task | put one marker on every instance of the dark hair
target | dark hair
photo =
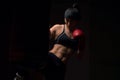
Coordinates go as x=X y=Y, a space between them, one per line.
x=73 y=13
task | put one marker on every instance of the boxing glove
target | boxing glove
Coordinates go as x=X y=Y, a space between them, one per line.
x=77 y=33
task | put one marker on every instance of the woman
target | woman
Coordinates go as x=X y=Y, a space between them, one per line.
x=67 y=39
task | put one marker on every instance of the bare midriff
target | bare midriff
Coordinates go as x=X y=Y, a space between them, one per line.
x=61 y=52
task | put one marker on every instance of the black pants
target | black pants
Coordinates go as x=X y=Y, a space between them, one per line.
x=55 y=69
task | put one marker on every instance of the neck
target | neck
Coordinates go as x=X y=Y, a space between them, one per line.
x=71 y=28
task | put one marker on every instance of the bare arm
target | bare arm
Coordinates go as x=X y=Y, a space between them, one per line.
x=52 y=32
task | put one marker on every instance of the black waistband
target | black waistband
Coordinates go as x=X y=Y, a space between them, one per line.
x=55 y=58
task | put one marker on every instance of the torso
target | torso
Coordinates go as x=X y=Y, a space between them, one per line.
x=64 y=45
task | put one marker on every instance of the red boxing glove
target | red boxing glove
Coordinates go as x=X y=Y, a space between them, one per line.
x=77 y=33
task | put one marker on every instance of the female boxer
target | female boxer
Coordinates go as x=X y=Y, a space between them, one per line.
x=68 y=39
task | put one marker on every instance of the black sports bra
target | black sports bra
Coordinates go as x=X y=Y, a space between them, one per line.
x=66 y=41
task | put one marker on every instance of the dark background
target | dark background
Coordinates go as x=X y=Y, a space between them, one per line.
x=26 y=29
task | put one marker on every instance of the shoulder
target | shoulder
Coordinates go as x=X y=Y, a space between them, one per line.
x=56 y=27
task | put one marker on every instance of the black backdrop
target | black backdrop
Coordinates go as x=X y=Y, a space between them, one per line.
x=101 y=21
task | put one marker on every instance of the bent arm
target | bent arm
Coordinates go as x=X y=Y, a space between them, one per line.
x=79 y=34
x=81 y=47
x=52 y=32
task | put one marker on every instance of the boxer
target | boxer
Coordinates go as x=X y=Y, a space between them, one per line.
x=67 y=40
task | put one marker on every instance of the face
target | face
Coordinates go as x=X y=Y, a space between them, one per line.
x=71 y=23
